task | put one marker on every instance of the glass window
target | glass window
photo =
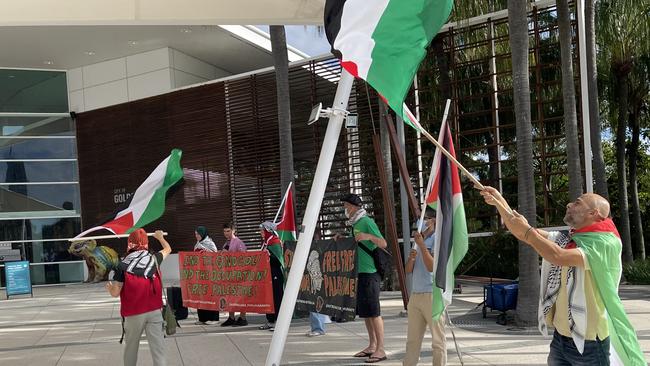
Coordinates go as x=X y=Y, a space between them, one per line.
x=37 y=126
x=39 y=229
x=46 y=148
x=33 y=91
x=11 y=230
x=49 y=171
x=37 y=200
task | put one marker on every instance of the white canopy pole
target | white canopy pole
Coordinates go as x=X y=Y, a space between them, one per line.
x=584 y=95
x=312 y=211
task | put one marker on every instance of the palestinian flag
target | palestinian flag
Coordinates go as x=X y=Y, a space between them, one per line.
x=384 y=41
x=601 y=245
x=451 y=228
x=148 y=202
x=286 y=228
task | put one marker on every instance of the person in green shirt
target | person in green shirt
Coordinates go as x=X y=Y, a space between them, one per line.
x=367 y=234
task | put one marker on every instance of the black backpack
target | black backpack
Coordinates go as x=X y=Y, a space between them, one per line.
x=382 y=259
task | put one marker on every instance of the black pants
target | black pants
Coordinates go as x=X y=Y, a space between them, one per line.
x=277 y=279
x=207 y=315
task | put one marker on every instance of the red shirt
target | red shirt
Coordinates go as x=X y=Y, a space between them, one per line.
x=139 y=294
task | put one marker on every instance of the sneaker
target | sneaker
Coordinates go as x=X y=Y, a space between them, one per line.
x=266 y=326
x=240 y=322
x=315 y=333
x=198 y=322
x=228 y=322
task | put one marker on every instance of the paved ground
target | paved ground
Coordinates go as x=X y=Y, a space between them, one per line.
x=80 y=325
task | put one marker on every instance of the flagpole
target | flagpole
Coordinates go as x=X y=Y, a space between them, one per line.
x=284 y=199
x=114 y=236
x=424 y=201
x=426 y=134
x=319 y=183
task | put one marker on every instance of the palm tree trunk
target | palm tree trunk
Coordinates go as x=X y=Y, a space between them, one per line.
x=528 y=259
x=281 y=62
x=624 y=213
x=600 y=186
x=639 y=243
x=569 y=101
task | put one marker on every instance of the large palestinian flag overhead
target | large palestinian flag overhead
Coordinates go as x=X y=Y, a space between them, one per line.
x=384 y=41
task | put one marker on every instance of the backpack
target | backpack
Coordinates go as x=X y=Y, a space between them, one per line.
x=382 y=259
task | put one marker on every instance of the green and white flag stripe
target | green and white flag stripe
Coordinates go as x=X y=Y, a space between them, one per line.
x=384 y=41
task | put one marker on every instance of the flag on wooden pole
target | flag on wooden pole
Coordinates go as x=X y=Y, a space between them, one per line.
x=451 y=227
x=148 y=202
x=286 y=228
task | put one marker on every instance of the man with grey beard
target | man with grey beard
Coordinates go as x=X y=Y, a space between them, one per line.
x=579 y=283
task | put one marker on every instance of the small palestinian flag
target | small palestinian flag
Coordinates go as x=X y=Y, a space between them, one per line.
x=286 y=228
x=451 y=227
x=384 y=41
x=148 y=202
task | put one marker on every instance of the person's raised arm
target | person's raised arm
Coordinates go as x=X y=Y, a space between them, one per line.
x=167 y=249
x=427 y=258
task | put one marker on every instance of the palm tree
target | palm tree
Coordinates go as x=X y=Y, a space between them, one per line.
x=638 y=98
x=594 y=111
x=528 y=259
x=281 y=62
x=624 y=31
x=569 y=100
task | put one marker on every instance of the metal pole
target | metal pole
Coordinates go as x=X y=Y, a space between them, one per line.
x=319 y=184
x=584 y=95
x=404 y=203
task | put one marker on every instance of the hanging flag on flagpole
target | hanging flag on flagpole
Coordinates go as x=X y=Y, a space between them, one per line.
x=384 y=41
x=451 y=227
x=148 y=202
x=286 y=228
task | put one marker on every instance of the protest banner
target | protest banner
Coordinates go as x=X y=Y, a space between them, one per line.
x=329 y=284
x=226 y=281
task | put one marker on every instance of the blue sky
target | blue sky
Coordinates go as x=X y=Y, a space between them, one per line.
x=305 y=38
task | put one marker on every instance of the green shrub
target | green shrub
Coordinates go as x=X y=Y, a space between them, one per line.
x=637 y=273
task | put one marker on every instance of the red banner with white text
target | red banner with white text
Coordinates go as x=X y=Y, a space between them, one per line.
x=226 y=281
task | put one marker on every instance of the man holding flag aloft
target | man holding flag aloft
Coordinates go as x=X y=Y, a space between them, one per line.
x=579 y=287
x=420 y=265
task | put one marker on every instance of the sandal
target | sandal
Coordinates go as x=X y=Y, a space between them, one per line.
x=373 y=359
x=363 y=354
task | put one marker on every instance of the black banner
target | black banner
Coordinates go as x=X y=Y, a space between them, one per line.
x=329 y=284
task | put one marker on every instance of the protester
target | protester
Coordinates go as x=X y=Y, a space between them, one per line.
x=579 y=286
x=138 y=284
x=317 y=322
x=205 y=244
x=272 y=243
x=420 y=264
x=233 y=245
x=367 y=234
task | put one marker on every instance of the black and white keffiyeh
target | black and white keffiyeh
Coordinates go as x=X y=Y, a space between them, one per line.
x=550 y=285
x=360 y=213
x=140 y=263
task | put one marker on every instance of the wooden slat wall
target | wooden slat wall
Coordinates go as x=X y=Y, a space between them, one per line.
x=119 y=147
x=228 y=132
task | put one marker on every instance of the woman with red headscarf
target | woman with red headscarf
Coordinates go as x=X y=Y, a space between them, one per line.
x=273 y=244
x=138 y=284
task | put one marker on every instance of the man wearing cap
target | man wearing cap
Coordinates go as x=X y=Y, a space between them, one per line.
x=367 y=234
x=420 y=264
